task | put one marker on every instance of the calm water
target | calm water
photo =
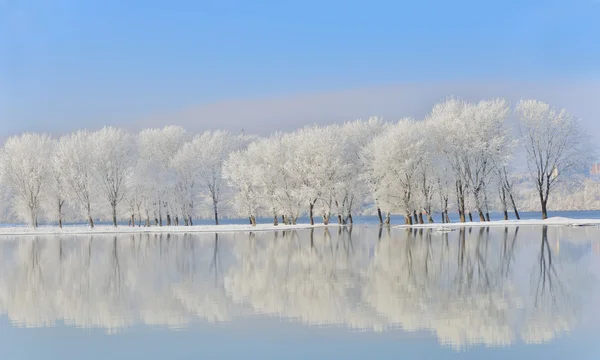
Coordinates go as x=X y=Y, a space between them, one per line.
x=500 y=293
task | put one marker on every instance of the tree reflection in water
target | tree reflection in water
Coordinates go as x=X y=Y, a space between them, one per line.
x=466 y=286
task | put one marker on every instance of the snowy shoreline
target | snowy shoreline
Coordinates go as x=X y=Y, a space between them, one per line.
x=553 y=221
x=107 y=229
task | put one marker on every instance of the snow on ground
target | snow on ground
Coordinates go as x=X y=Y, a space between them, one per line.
x=556 y=221
x=107 y=229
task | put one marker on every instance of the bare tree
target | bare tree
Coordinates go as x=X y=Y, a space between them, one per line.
x=556 y=145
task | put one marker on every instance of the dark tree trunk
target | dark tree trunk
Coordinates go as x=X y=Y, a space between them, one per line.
x=421 y=218
x=388 y=218
x=512 y=200
x=505 y=214
x=216 y=214
x=252 y=220
x=461 y=215
x=443 y=218
x=190 y=220
x=415 y=218
x=447 y=217
x=275 y=220
x=168 y=219
x=481 y=216
x=185 y=221
x=487 y=216
x=350 y=219
x=544 y=210
x=340 y=219
x=470 y=217
x=133 y=220
x=429 y=218
x=91 y=221
x=114 y=216
x=379 y=215
x=176 y=220
x=310 y=213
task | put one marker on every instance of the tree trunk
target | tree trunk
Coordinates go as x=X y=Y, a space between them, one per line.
x=275 y=220
x=416 y=219
x=310 y=213
x=408 y=220
x=133 y=220
x=168 y=219
x=421 y=218
x=185 y=221
x=32 y=216
x=216 y=213
x=447 y=217
x=487 y=216
x=325 y=219
x=252 y=220
x=283 y=219
x=350 y=219
x=60 y=220
x=544 y=209
x=114 y=215
x=379 y=215
x=91 y=221
x=340 y=219
x=481 y=216
x=190 y=220
x=429 y=218
x=470 y=217
x=176 y=220
x=462 y=216
x=512 y=200
x=388 y=218
x=443 y=218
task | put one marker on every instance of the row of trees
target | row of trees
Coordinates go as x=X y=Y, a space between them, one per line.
x=458 y=157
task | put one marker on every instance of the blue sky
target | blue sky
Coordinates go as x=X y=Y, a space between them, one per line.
x=68 y=64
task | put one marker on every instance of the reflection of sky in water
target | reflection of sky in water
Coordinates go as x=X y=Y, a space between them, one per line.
x=477 y=293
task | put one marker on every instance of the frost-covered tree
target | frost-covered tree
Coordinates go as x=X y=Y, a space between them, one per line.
x=356 y=136
x=24 y=169
x=114 y=155
x=76 y=158
x=202 y=159
x=241 y=174
x=555 y=143
x=57 y=185
x=397 y=156
x=157 y=148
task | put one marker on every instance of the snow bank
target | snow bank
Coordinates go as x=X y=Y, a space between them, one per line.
x=556 y=221
x=106 y=229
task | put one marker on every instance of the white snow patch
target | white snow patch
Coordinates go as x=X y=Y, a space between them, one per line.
x=556 y=221
x=106 y=229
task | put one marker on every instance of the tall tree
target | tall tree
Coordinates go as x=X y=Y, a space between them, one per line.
x=113 y=165
x=555 y=143
x=24 y=169
x=76 y=156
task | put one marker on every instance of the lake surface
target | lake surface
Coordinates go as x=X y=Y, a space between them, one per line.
x=520 y=293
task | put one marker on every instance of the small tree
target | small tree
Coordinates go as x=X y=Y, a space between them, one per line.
x=556 y=145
